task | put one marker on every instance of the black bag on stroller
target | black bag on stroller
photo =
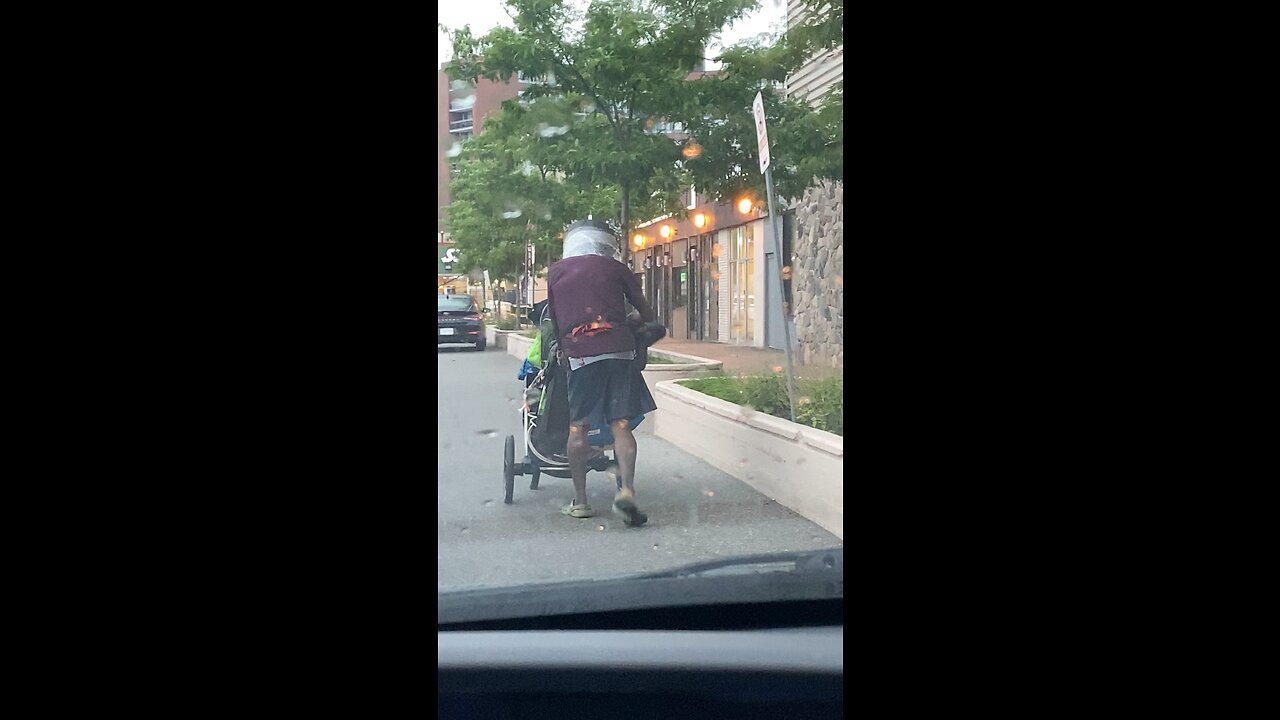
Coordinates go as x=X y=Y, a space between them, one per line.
x=549 y=429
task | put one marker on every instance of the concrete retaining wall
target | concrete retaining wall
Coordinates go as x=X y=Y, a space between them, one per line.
x=518 y=345
x=690 y=366
x=686 y=366
x=496 y=338
x=798 y=466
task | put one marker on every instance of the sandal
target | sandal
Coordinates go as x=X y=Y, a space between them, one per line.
x=577 y=511
x=631 y=515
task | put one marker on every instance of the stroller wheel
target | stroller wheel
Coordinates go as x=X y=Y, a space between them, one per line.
x=533 y=470
x=509 y=468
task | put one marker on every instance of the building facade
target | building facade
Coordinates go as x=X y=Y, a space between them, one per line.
x=816 y=78
x=462 y=107
x=447 y=274
x=705 y=274
x=818 y=259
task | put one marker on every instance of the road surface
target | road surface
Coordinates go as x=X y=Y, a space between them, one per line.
x=696 y=512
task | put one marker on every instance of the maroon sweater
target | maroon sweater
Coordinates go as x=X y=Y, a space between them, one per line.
x=587 y=295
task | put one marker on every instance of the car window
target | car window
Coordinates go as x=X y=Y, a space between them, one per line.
x=688 y=149
x=456 y=303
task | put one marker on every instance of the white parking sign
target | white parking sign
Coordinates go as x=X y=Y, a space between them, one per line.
x=762 y=135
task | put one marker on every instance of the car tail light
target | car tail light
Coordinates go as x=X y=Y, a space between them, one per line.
x=473 y=316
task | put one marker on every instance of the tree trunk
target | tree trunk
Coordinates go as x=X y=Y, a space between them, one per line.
x=626 y=221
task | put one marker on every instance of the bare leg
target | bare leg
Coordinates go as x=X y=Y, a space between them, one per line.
x=624 y=449
x=579 y=450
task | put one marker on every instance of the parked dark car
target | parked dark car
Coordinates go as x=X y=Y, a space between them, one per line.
x=460 y=322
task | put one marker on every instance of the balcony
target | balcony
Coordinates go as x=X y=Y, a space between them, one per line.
x=674 y=130
x=462 y=103
x=462 y=121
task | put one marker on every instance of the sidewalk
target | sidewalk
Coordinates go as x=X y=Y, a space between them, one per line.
x=739 y=360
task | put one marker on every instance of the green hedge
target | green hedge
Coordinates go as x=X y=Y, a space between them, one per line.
x=819 y=402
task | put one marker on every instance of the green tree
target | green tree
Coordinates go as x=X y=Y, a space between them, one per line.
x=610 y=76
x=805 y=144
x=625 y=64
x=821 y=27
x=507 y=192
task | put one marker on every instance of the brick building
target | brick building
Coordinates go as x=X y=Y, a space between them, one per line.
x=461 y=110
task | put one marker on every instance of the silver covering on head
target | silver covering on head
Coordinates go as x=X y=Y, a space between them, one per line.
x=591 y=239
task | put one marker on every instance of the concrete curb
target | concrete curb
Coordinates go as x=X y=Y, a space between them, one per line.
x=518 y=345
x=497 y=338
x=692 y=366
x=688 y=359
x=800 y=467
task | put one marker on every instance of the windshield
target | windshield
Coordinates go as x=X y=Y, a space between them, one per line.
x=678 y=207
x=456 y=303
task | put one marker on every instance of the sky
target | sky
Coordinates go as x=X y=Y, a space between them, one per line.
x=484 y=15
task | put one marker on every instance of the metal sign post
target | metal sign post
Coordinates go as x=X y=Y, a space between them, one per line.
x=532 y=259
x=762 y=145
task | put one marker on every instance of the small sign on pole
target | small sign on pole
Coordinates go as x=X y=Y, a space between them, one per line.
x=762 y=134
x=762 y=139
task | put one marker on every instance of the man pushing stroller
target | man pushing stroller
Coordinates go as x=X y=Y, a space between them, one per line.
x=588 y=291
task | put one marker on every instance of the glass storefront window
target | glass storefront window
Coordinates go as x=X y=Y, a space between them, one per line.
x=742 y=281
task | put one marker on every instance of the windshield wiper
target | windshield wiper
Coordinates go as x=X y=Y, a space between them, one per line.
x=794 y=577
x=822 y=561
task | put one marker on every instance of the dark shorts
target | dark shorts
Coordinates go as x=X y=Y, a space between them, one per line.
x=608 y=390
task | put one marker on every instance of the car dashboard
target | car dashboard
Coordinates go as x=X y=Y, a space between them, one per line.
x=747 y=637
x=774 y=673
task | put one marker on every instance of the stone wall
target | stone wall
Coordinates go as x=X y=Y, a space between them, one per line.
x=817 y=278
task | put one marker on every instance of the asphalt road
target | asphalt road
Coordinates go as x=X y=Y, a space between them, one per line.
x=696 y=512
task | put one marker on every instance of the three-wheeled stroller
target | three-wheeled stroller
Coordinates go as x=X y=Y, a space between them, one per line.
x=545 y=417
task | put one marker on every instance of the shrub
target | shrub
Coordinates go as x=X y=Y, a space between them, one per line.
x=725 y=388
x=819 y=402
x=766 y=394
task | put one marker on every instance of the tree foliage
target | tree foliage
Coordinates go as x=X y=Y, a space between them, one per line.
x=589 y=136
x=805 y=144
x=625 y=62
x=821 y=27
x=507 y=192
